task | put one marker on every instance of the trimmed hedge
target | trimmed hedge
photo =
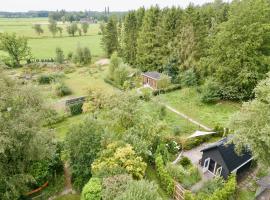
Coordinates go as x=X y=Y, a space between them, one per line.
x=166 y=181
x=168 y=89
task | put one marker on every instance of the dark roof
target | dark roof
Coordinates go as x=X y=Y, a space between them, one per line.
x=153 y=75
x=227 y=151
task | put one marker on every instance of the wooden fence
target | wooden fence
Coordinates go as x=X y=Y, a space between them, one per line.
x=179 y=192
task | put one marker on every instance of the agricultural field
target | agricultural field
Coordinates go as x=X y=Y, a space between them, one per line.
x=188 y=101
x=44 y=46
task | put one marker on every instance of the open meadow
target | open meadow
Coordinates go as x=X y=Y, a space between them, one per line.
x=43 y=46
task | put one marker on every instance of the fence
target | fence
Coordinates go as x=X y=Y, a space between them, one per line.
x=179 y=192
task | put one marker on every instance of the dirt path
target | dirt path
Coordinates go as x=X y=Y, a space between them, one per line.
x=102 y=62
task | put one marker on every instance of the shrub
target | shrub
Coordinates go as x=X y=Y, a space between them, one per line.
x=92 y=190
x=59 y=57
x=120 y=74
x=163 y=151
x=63 y=90
x=162 y=112
x=185 y=162
x=76 y=109
x=188 y=78
x=168 y=89
x=146 y=94
x=82 y=56
x=176 y=130
x=210 y=91
x=45 y=79
x=166 y=180
x=164 y=82
x=173 y=147
x=140 y=190
x=114 y=186
x=52 y=117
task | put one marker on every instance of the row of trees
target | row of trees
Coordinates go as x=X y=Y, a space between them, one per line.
x=226 y=43
x=71 y=28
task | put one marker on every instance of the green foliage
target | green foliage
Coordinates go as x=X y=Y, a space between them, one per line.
x=63 y=90
x=92 y=190
x=85 y=27
x=210 y=91
x=120 y=74
x=117 y=159
x=72 y=28
x=239 y=52
x=38 y=29
x=76 y=109
x=164 y=82
x=165 y=178
x=82 y=145
x=82 y=56
x=59 y=58
x=45 y=79
x=114 y=186
x=167 y=90
x=110 y=36
x=162 y=112
x=188 y=78
x=163 y=151
x=52 y=27
x=251 y=124
x=140 y=190
x=185 y=162
x=16 y=47
x=146 y=94
x=24 y=140
x=173 y=147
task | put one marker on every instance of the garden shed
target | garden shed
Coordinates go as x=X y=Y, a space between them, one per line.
x=151 y=79
x=220 y=159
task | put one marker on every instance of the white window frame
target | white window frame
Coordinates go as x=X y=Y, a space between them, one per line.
x=206 y=164
x=219 y=171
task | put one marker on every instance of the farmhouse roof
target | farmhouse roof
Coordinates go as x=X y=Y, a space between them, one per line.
x=154 y=75
x=230 y=157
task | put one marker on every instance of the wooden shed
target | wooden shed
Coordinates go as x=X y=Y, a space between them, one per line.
x=151 y=79
x=220 y=159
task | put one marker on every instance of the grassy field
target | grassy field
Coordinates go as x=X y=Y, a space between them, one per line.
x=173 y=120
x=188 y=102
x=69 y=197
x=44 y=46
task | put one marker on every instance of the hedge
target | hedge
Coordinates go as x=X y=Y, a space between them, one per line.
x=76 y=109
x=166 y=181
x=168 y=89
x=106 y=80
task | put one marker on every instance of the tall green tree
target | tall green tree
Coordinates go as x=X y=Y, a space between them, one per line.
x=82 y=145
x=239 y=54
x=110 y=36
x=251 y=124
x=130 y=38
x=148 y=45
x=72 y=28
x=38 y=29
x=85 y=27
x=24 y=140
x=16 y=47
x=52 y=27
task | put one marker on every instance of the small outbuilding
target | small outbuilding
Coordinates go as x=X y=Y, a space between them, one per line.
x=220 y=159
x=151 y=79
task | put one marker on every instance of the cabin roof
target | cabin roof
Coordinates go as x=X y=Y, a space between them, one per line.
x=227 y=151
x=154 y=75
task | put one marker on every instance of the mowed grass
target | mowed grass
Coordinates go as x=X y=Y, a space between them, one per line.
x=44 y=45
x=69 y=197
x=173 y=121
x=188 y=102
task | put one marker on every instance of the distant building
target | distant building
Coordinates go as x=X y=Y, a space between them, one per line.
x=220 y=159
x=88 y=20
x=151 y=79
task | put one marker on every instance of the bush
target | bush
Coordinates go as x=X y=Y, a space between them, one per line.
x=173 y=147
x=92 y=190
x=185 y=162
x=114 y=186
x=82 y=56
x=168 y=89
x=167 y=182
x=106 y=80
x=63 y=90
x=188 y=78
x=52 y=117
x=59 y=58
x=146 y=94
x=210 y=92
x=45 y=79
x=76 y=109
x=176 y=130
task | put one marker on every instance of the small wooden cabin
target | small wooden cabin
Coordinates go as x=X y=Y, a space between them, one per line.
x=151 y=79
x=220 y=159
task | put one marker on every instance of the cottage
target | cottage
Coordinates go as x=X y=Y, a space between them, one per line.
x=151 y=79
x=220 y=159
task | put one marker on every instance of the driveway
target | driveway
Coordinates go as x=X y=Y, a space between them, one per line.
x=195 y=154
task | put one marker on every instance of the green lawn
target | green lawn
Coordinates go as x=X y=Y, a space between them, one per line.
x=172 y=119
x=245 y=195
x=188 y=102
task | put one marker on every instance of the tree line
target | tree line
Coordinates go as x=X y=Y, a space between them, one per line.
x=223 y=47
